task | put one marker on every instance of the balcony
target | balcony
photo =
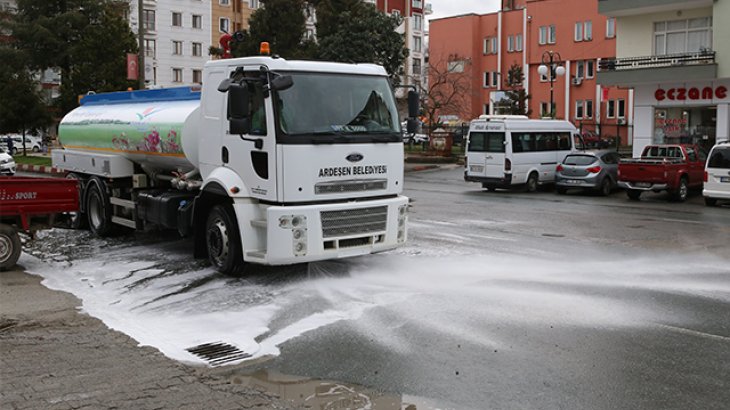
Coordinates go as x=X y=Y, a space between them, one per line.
x=615 y=8
x=661 y=68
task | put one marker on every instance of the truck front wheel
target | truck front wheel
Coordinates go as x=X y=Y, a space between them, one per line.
x=223 y=240
x=9 y=247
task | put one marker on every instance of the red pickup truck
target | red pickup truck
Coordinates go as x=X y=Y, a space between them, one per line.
x=25 y=203
x=668 y=167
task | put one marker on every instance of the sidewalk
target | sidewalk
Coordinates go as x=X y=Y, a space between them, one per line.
x=53 y=357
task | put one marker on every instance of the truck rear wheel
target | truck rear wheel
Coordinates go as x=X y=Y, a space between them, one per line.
x=223 y=241
x=680 y=194
x=9 y=246
x=98 y=208
x=633 y=194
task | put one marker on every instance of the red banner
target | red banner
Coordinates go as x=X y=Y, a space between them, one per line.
x=132 y=67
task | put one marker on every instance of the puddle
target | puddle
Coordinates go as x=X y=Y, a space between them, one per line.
x=306 y=393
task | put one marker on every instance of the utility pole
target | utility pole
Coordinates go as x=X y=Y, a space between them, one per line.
x=140 y=33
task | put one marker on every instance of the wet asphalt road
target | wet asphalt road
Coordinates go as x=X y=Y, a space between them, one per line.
x=500 y=300
x=585 y=302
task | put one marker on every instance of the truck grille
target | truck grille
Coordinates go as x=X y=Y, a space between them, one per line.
x=354 y=221
x=350 y=186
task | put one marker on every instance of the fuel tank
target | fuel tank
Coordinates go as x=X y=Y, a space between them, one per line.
x=157 y=129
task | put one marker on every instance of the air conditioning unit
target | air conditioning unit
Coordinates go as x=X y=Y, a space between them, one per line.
x=577 y=80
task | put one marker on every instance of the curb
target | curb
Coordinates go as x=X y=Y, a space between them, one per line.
x=41 y=169
x=422 y=168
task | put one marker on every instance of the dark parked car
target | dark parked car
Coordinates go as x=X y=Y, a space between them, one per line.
x=588 y=170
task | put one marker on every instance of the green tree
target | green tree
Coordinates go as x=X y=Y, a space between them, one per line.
x=282 y=24
x=515 y=101
x=87 y=40
x=21 y=106
x=356 y=32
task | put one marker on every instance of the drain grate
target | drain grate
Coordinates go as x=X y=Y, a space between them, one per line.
x=218 y=353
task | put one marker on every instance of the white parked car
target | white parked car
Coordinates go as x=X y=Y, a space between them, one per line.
x=7 y=163
x=32 y=143
x=717 y=174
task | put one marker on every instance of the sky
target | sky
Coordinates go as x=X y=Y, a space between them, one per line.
x=446 y=8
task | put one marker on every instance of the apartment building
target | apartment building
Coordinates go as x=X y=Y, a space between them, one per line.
x=675 y=56
x=414 y=13
x=177 y=35
x=526 y=33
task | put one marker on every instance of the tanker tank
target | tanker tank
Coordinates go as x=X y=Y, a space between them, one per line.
x=154 y=128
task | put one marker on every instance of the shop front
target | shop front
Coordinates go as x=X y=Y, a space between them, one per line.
x=692 y=113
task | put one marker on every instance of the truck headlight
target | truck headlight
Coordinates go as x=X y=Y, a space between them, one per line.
x=298 y=226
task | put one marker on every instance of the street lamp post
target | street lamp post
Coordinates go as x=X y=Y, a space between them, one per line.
x=551 y=59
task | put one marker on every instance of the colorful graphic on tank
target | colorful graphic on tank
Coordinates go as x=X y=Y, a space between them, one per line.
x=134 y=128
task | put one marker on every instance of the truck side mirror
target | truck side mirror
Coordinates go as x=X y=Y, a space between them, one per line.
x=413 y=104
x=238 y=109
x=412 y=126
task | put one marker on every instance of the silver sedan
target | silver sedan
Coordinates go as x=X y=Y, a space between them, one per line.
x=588 y=170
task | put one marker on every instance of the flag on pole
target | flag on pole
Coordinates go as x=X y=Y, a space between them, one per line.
x=132 y=67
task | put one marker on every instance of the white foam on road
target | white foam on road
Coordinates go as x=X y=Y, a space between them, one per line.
x=456 y=295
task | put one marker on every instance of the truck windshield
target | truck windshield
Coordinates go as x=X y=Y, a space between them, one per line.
x=332 y=105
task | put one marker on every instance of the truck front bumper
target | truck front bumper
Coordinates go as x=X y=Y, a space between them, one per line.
x=641 y=186
x=306 y=233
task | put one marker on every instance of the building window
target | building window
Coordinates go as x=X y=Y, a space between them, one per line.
x=417 y=44
x=518 y=42
x=611 y=109
x=510 y=44
x=578 y=31
x=486 y=79
x=682 y=36
x=578 y=109
x=417 y=66
x=254 y=4
x=197 y=21
x=621 y=108
x=588 y=30
x=611 y=27
x=579 y=69
x=545 y=109
x=150 y=48
x=495 y=79
x=197 y=76
x=224 y=25
x=224 y=2
x=590 y=68
x=148 y=17
x=418 y=4
x=176 y=19
x=589 y=109
x=485 y=46
x=177 y=76
x=552 y=35
x=543 y=35
x=494 y=45
x=417 y=22
x=197 y=49
x=177 y=48
x=456 y=66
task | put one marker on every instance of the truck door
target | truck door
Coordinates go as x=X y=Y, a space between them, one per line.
x=696 y=167
x=252 y=155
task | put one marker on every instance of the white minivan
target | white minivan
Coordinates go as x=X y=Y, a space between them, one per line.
x=503 y=151
x=717 y=174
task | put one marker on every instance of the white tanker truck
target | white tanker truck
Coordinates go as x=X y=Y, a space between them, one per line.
x=272 y=162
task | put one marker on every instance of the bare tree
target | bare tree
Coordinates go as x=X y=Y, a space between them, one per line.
x=448 y=91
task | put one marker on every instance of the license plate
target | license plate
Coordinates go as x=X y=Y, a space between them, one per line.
x=476 y=168
x=573 y=181
x=724 y=179
x=643 y=184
